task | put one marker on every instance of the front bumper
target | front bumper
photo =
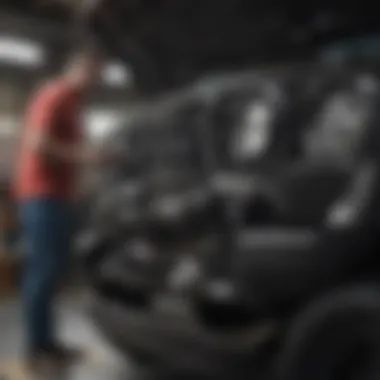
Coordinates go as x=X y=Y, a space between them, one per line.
x=168 y=337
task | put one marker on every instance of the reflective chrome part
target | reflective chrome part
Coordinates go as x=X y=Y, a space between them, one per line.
x=173 y=206
x=85 y=241
x=170 y=206
x=254 y=133
x=131 y=215
x=367 y=84
x=184 y=273
x=140 y=250
x=232 y=183
x=341 y=216
x=220 y=289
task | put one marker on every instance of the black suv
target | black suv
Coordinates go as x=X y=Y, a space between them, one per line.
x=240 y=235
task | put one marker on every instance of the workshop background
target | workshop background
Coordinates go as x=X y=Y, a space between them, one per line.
x=35 y=37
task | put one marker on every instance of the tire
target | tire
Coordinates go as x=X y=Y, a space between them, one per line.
x=336 y=337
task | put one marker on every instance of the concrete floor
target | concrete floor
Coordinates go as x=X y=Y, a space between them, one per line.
x=100 y=363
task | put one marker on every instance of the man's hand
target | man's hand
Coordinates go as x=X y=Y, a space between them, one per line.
x=102 y=156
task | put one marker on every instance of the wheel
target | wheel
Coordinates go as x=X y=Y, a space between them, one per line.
x=336 y=337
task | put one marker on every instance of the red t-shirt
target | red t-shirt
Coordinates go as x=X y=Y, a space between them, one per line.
x=53 y=110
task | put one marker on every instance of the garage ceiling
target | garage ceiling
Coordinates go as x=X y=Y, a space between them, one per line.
x=52 y=10
x=170 y=42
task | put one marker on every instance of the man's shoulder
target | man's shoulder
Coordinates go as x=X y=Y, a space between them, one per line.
x=48 y=96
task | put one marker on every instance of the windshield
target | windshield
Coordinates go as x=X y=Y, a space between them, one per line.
x=338 y=126
x=347 y=50
x=342 y=123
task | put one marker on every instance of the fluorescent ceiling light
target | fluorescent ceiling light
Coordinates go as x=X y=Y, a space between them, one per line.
x=117 y=75
x=20 y=52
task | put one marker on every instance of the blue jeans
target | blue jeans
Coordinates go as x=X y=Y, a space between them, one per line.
x=45 y=224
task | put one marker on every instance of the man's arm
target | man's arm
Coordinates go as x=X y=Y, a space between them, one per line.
x=45 y=145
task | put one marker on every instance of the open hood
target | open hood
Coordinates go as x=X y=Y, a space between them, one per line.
x=170 y=42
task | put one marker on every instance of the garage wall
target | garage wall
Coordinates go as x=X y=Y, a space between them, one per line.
x=17 y=83
x=12 y=100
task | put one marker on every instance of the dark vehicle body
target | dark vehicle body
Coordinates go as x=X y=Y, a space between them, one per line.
x=204 y=259
x=240 y=235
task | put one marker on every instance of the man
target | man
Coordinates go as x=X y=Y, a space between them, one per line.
x=50 y=155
